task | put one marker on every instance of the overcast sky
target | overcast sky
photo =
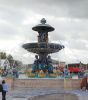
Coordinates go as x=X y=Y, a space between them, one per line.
x=68 y=17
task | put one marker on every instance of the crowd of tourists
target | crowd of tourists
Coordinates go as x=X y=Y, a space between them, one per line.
x=13 y=72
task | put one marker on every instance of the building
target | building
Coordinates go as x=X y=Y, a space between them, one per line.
x=58 y=64
x=4 y=64
x=75 y=67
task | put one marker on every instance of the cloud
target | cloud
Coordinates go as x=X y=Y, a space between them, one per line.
x=61 y=8
x=68 y=17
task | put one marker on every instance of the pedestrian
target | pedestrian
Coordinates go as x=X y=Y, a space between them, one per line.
x=1 y=88
x=4 y=90
x=83 y=83
x=87 y=84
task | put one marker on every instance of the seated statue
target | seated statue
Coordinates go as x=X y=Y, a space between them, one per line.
x=50 y=68
x=49 y=65
x=36 y=64
x=49 y=60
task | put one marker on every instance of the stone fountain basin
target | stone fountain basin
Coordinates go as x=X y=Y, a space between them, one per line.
x=43 y=47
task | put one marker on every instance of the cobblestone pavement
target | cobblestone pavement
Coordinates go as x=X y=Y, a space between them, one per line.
x=29 y=93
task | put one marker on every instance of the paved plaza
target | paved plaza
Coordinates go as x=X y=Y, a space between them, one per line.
x=29 y=94
x=57 y=97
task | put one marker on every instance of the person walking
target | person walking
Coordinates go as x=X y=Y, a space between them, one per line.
x=4 y=90
x=87 y=84
x=83 y=83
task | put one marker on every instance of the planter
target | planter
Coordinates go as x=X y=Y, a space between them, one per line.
x=52 y=75
x=41 y=75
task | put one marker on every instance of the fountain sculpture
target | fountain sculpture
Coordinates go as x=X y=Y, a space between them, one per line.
x=43 y=48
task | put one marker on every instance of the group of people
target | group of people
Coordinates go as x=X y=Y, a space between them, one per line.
x=3 y=89
x=12 y=72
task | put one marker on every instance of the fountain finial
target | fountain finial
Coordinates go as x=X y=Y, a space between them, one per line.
x=43 y=21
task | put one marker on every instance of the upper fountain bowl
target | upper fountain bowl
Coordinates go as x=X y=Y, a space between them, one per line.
x=43 y=27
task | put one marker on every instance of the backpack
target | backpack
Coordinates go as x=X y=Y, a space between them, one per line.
x=1 y=88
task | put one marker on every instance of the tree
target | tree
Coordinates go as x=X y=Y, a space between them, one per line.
x=2 y=55
x=10 y=59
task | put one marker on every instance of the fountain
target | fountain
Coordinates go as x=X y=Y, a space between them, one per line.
x=43 y=48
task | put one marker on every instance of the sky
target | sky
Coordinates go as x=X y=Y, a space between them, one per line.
x=68 y=17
